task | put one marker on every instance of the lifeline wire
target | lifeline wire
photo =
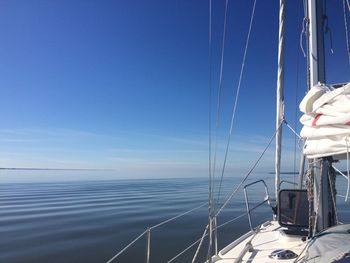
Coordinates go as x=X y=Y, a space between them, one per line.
x=152 y=227
x=204 y=235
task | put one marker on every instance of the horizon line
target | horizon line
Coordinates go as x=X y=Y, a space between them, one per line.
x=54 y=169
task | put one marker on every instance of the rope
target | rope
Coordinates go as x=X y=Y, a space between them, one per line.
x=303 y=31
x=347 y=167
x=296 y=103
x=318 y=200
x=346 y=29
x=331 y=186
x=303 y=250
x=236 y=98
x=310 y=196
x=290 y=127
x=306 y=24
x=249 y=172
x=340 y=172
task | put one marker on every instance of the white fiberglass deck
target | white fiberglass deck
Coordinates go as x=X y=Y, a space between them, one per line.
x=266 y=240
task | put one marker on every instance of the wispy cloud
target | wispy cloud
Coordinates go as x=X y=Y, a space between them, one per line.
x=129 y=154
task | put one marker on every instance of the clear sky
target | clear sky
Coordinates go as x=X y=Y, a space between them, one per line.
x=123 y=85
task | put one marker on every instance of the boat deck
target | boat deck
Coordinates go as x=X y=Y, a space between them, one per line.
x=257 y=246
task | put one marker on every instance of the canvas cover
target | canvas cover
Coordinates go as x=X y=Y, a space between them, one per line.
x=330 y=246
x=326 y=121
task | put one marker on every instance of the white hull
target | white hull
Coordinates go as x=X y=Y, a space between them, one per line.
x=264 y=241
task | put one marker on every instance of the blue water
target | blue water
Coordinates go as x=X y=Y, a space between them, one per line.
x=90 y=221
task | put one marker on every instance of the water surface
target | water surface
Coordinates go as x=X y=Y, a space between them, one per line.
x=90 y=221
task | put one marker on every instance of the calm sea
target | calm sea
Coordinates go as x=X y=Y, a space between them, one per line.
x=90 y=221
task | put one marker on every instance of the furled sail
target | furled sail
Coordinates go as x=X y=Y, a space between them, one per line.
x=326 y=121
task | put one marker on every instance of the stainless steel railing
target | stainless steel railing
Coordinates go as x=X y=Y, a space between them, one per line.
x=148 y=230
x=148 y=233
x=266 y=200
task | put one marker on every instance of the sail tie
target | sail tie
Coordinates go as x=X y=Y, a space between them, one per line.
x=303 y=31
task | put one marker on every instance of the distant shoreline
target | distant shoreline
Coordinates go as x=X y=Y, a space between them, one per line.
x=52 y=169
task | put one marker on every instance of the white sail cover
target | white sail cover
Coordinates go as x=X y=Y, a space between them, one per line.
x=326 y=121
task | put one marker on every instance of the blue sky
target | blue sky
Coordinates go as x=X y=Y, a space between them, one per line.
x=123 y=85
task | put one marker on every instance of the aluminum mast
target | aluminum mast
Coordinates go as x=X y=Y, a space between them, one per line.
x=279 y=96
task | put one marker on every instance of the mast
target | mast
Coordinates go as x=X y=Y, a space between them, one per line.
x=316 y=42
x=279 y=96
x=323 y=173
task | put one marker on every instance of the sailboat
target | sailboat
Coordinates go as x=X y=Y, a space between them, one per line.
x=304 y=225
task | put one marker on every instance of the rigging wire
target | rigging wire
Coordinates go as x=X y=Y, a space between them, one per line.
x=210 y=94
x=218 y=107
x=249 y=172
x=219 y=91
x=346 y=28
x=291 y=128
x=236 y=98
x=210 y=198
